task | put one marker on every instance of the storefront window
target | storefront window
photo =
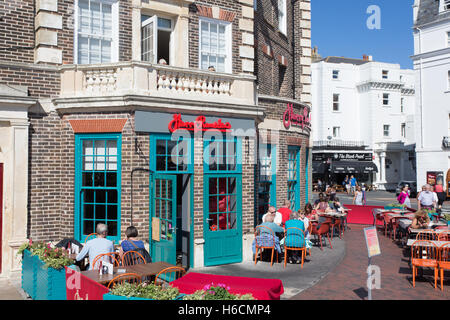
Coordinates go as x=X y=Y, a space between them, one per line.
x=222 y=203
x=266 y=180
x=172 y=154
x=222 y=154
x=98 y=184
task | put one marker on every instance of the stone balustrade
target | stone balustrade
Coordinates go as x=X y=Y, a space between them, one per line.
x=159 y=81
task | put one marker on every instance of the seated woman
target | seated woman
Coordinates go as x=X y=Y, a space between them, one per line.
x=131 y=242
x=294 y=237
x=310 y=213
x=323 y=206
x=421 y=220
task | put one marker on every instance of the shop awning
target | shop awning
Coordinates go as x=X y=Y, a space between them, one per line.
x=319 y=167
x=353 y=167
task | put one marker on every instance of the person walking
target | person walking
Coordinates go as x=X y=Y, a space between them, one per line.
x=439 y=189
x=346 y=184
x=358 y=198
x=353 y=184
x=403 y=197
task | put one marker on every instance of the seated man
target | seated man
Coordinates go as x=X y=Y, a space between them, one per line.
x=265 y=238
x=285 y=211
x=97 y=246
x=295 y=238
x=277 y=217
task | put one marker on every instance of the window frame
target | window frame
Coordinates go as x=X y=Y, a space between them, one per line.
x=206 y=155
x=296 y=190
x=403 y=130
x=385 y=74
x=336 y=103
x=273 y=178
x=388 y=130
x=444 y=6
x=114 y=29
x=79 y=138
x=386 y=100
x=168 y=137
x=228 y=38
x=333 y=73
x=155 y=18
x=338 y=131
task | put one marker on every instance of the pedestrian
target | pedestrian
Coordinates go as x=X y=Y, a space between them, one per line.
x=403 y=197
x=346 y=184
x=319 y=185
x=426 y=198
x=358 y=198
x=439 y=189
x=353 y=184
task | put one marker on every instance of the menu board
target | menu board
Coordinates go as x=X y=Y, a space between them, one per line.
x=373 y=246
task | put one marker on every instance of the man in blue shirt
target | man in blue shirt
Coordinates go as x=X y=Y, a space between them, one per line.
x=97 y=246
x=353 y=184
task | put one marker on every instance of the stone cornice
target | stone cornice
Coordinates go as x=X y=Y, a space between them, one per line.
x=380 y=85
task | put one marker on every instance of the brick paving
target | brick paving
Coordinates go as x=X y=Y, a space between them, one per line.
x=348 y=280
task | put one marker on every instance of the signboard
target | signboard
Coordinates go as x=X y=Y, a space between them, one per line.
x=373 y=246
x=199 y=124
x=290 y=118
x=343 y=156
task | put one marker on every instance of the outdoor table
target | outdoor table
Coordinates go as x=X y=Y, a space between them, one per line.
x=261 y=289
x=428 y=230
x=437 y=243
x=143 y=270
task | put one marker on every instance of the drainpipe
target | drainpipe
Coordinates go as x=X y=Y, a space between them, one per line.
x=421 y=90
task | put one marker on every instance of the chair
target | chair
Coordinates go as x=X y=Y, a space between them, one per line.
x=111 y=255
x=324 y=229
x=125 y=277
x=167 y=275
x=424 y=254
x=297 y=242
x=427 y=235
x=93 y=235
x=444 y=261
x=336 y=224
x=262 y=242
x=132 y=257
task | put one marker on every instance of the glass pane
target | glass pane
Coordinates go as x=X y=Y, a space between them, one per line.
x=100 y=196
x=232 y=221
x=88 y=195
x=164 y=23
x=88 y=211
x=111 y=179
x=94 y=50
x=100 y=212
x=99 y=179
x=112 y=228
x=161 y=147
x=112 y=212
x=87 y=179
x=88 y=227
x=213 y=204
x=161 y=163
x=88 y=147
x=112 y=196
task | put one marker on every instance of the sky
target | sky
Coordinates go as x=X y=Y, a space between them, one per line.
x=340 y=28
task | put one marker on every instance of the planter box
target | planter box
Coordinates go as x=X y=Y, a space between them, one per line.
x=108 y=296
x=40 y=282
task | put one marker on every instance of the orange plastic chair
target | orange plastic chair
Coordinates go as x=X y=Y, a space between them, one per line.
x=323 y=230
x=265 y=243
x=424 y=254
x=94 y=235
x=298 y=240
x=112 y=259
x=125 y=277
x=444 y=261
x=132 y=257
x=336 y=224
x=427 y=235
x=167 y=275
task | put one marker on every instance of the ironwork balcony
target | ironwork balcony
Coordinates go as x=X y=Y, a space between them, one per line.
x=160 y=82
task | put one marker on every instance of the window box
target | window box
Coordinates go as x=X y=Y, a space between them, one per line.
x=109 y=296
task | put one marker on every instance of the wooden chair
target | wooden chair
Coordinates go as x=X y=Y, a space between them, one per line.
x=265 y=243
x=427 y=235
x=93 y=235
x=164 y=277
x=132 y=257
x=323 y=230
x=125 y=277
x=112 y=259
x=424 y=254
x=297 y=242
x=444 y=261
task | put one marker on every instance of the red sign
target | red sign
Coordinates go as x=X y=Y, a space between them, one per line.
x=80 y=287
x=298 y=120
x=199 y=124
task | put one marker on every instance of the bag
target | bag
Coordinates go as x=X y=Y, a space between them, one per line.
x=143 y=252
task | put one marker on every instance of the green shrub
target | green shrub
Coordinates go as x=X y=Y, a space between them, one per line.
x=145 y=290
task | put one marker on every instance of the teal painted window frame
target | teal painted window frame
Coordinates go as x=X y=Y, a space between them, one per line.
x=272 y=182
x=296 y=181
x=153 y=154
x=237 y=157
x=79 y=138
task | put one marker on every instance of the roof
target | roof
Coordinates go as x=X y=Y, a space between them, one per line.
x=344 y=60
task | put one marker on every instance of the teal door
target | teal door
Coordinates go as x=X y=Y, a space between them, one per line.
x=164 y=218
x=222 y=219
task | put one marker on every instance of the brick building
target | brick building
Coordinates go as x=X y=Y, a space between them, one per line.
x=129 y=125
x=283 y=68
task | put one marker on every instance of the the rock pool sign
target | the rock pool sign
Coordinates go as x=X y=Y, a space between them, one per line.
x=290 y=118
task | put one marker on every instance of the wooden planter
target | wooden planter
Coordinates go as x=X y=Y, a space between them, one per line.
x=40 y=282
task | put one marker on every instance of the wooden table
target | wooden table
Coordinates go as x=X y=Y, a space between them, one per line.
x=142 y=270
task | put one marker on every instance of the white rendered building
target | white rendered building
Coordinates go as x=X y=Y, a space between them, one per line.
x=432 y=66
x=367 y=108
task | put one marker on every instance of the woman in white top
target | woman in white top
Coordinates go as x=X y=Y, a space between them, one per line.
x=358 y=198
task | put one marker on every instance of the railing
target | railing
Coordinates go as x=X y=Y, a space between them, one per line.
x=139 y=78
x=339 y=144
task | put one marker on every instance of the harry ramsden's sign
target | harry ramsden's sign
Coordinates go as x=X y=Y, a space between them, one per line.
x=297 y=120
x=199 y=124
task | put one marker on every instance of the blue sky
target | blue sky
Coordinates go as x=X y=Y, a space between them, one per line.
x=339 y=28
